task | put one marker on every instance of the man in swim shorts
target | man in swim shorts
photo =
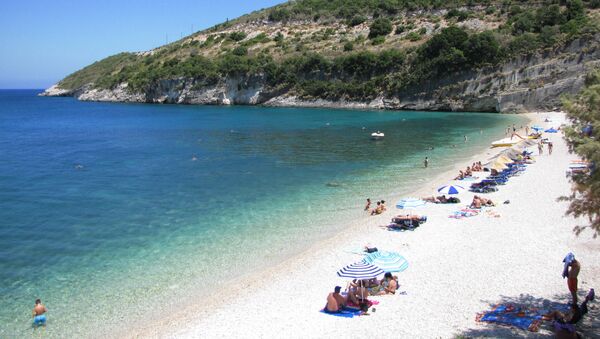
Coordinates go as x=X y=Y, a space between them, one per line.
x=39 y=316
x=335 y=301
x=574 y=268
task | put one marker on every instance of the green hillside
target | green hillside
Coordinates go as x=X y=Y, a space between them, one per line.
x=351 y=49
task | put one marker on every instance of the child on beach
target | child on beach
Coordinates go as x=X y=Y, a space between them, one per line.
x=368 y=204
x=378 y=209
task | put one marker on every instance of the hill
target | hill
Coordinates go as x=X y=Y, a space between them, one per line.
x=398 y=54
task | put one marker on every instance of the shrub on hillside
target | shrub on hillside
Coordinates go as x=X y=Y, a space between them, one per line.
x=356 y=20
x=380 y=27
x=237 y=36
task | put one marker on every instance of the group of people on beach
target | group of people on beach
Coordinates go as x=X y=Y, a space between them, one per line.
x=358 y=291
x=468 y=172
x=379 y=208
x=564 y=323
x=479 y=202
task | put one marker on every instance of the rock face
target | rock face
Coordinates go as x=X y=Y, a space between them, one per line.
x=526 y=83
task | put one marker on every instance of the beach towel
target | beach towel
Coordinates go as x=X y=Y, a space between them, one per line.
x=353 y=306
x=507 y=314
x=523 y=317
x=345 y=313
x=464 y=213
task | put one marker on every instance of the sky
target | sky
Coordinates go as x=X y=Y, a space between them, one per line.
x=42 y=41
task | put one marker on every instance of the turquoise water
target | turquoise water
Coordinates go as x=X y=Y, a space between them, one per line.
x=118 y=208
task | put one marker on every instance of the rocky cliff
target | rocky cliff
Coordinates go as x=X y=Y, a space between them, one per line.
x=526 y=83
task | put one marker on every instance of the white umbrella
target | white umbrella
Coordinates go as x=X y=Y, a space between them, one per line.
x=409 y=203
x=361 y=271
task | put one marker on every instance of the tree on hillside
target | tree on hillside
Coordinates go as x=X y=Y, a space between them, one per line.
x=482 y=48
x=583 y=138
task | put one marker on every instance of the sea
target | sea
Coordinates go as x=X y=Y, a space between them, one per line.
x=112 y=213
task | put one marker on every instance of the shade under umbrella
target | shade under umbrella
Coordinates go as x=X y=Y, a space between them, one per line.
x=409 y=203
x=360 y=270
x=387 y=261
x=450 y=189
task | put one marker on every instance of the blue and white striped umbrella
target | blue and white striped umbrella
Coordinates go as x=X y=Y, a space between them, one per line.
x=410 y=203
x=451 y=189
x=360 y=270
x=387 y=261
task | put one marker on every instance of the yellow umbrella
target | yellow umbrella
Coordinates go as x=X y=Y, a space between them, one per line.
x=497 y=165
x=504 y=159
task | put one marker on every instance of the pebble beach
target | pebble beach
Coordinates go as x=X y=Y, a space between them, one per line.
x=457 y=268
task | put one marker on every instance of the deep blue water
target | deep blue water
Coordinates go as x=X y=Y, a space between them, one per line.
x=124 y=205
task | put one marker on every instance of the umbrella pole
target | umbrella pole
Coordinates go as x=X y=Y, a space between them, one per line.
x=362 y=291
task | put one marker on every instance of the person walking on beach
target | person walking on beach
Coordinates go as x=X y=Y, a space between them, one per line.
x=466 y=139
x=550 y=148
x=39 y=316
x=426 y=162
x=571 y=272
x=368 y=204
x=540 y=148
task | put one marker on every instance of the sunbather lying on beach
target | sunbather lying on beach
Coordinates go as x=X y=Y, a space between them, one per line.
x=437 y=200
x=481 y=201
x=411 y=217
x=476 y=203
x=564 y=324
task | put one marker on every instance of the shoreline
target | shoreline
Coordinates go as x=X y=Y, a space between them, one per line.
x=243 y=292
x=239 y=286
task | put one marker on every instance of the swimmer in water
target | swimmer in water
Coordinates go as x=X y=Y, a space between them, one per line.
x=194 y=157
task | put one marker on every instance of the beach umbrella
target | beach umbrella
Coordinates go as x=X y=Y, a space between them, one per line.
x=551 y=130
x=504 y=159
x=497 y=165
x=451 y=189
x=360 y=271
x=387 y=261
x=537 y=128
x=409 y=203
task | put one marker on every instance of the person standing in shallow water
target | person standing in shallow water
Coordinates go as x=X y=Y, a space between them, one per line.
x=426 y=162
x=39 y=316
x=368 y=204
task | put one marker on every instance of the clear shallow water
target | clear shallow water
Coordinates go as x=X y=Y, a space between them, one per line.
x=102 y=206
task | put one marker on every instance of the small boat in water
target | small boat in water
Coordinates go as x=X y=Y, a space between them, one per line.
x=377 y=135
x=506 y=142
